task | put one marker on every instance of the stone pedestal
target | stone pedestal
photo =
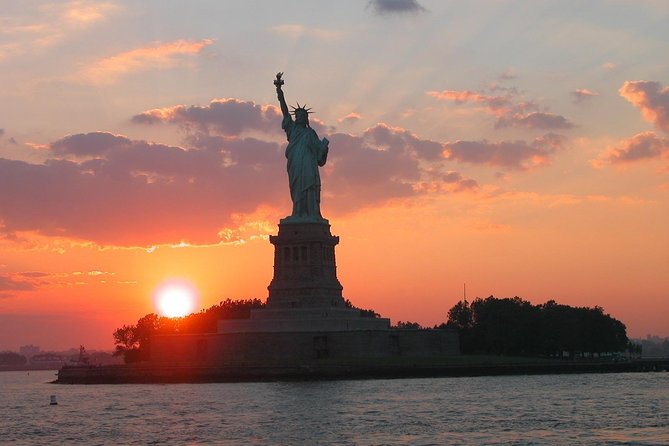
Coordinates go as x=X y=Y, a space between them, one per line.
x=305 y=269
x=304 y=294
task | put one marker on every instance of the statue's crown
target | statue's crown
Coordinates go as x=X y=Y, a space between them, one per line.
x=300 y=108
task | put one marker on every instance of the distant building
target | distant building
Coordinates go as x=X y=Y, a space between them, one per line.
x=29 y=350
x=48 y=360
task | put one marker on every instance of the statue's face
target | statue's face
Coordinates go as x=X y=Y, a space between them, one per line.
x=301 y=117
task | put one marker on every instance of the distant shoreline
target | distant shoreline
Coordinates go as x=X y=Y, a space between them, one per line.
x=325 y=370
x=29 y=368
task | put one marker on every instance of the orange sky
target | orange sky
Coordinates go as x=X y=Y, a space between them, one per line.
x=143 y=143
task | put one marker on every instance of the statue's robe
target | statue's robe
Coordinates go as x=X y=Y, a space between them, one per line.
x=305 y=153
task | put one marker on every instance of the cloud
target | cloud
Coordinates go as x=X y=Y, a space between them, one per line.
x=535 y=120
x=224 y=116
x=89 y=144
x=383 y=163
x=81 y=12
x=134 y=192
x=447 y=182
x=461 y=96
x=50 y=24
x=507 y=76
x=156 y=56
x=9 y=283
x=508 y=154
x=386 y=7
x=33 y=274
x=609 y=66
x=641 y=146
x=582 y=95
x=297 y=31
x=2 y=132
x=397 y=139
x=510 y=109
x=387 y=163
x=116 y=191
x=350 y=118
x=651 y=99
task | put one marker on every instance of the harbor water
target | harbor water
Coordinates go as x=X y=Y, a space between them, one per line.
x=586 y=409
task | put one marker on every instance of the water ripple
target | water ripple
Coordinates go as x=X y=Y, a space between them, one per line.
x=610 y=409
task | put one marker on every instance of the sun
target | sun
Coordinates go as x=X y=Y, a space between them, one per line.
x=175 y=298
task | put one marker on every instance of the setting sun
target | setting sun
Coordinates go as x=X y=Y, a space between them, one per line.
x=175 y=298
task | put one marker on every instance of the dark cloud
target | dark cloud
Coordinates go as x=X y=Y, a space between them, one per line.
x=228 y=117
x=223 y=116
x=2 y=132
x=386 y=163
x=113 y=190
x=651 y=99
x=9 y=283
x=33 y=274
x=642 y=146
x=507 y=105
x=89 y=144
x=137 y=194
x=507 y=76
x=385 y=7
x=535 y=120
x=397 y=139
x=508 y=154
x=461 y=182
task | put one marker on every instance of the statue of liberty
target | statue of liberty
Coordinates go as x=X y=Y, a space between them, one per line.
x=305 y=153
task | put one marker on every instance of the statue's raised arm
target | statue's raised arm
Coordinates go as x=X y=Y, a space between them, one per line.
x=279 y=93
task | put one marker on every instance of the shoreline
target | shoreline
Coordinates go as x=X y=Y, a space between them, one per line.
x=144 y=373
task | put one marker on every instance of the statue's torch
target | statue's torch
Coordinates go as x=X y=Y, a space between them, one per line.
x=278 y=82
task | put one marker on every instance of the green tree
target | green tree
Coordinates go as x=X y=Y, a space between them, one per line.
x=407 y=325
x=513 y=326
x=134 y=341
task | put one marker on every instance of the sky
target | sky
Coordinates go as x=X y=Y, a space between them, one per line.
x=518 y=147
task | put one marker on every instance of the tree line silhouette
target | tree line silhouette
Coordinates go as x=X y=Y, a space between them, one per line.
x=513 y=326
x=501 y=326
x=133 y=342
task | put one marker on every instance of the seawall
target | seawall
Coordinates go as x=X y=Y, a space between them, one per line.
x=355 y=369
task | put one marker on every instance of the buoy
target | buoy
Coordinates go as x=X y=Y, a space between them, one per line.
x=53 y=401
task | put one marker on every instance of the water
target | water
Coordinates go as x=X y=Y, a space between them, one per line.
x=606 y=409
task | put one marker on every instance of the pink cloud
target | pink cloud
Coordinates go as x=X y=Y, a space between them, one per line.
x=350 y=118
x=224 y=116
x=387 y=163
x=509 y=154
x=583 y=94
x=641 y=146
x=114 y=190
x=651 y=99
x=11 y=283
x=535 y=120
x=399 y=139
x=509 y=108
x=133 y=192
x=494 y=102
x=156 y=56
